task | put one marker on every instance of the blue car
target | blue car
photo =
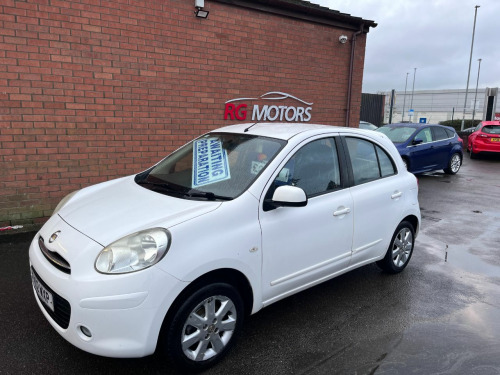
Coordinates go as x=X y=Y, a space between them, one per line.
x=426 y=147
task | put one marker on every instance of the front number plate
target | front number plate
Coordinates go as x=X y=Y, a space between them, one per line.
x=42 y=292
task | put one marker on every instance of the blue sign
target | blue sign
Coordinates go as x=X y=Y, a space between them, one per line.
x=411 y=111
x=210 y=162
x=423 y=120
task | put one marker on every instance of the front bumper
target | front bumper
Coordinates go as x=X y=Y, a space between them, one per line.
x=123 y=313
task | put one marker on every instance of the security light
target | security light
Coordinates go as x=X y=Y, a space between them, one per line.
x=201 y=13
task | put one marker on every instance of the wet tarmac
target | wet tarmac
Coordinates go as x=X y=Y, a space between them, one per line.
x=440 y=316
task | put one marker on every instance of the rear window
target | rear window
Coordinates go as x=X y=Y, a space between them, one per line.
x=491 y=129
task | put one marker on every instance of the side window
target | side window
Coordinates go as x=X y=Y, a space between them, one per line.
x=363 y=160
x=425 y=135
x=369 y=162
x=314 y=168
x=450 y=133
x=386 y=165
x=440 y=134
x=478 y=126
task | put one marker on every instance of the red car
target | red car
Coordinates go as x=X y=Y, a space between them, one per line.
x=485 y=138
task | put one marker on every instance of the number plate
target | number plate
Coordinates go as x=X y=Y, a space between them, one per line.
x=42 y=292
x=495 y=139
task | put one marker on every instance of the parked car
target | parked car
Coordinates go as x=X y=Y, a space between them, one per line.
x=232 y=222
x=485 y=138
x=367 y=125
x=426 y=147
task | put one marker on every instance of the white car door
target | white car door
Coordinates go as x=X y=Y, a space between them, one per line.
x=378 y=199
x=305 y=245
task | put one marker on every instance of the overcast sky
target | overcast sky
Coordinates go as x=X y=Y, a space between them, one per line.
x=433 y=36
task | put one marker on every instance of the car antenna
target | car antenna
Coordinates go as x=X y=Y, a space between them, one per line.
x=247 y=129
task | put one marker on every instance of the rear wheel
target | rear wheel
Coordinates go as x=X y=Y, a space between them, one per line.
x=400 y=250
x=453 y=164
x=205 y=327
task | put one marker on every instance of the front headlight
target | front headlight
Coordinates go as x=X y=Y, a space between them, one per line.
x=64 y=201
x=134 y=252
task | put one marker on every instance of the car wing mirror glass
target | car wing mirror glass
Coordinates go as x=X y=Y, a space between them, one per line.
x=288 y=196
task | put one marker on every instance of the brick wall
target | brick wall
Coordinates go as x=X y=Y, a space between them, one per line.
x=92 y=90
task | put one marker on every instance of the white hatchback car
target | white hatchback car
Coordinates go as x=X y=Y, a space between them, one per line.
x=233 y=221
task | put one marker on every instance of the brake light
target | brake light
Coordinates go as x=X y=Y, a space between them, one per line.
x=484 y=136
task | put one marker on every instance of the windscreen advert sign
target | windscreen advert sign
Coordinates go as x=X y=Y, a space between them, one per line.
x=210 y=162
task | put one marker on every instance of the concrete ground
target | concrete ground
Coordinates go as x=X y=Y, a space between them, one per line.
x=440 y=316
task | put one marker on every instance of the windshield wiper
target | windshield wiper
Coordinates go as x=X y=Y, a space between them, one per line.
x=192 y=193
x=206 y=194
x=162 y=185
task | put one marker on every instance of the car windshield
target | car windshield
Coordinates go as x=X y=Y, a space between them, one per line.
x=398 y=134
x=366 y=125
x=216 y=166
x=491 y=129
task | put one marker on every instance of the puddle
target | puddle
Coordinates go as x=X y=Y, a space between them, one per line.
x=430 y=218
x=458 y=256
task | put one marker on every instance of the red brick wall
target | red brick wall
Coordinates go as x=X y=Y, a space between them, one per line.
x=91 y=90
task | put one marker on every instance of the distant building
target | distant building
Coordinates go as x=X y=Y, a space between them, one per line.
x=433 y=106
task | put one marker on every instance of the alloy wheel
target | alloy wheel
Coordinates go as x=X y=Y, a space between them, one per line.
x=208 y=328
x=455 y=163
x=402 y=247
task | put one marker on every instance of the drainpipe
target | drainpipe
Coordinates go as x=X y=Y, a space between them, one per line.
x=351 y=72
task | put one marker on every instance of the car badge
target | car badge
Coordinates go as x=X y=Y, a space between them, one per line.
x=54 y=236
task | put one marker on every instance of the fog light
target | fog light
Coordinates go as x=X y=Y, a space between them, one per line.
x=86 y=331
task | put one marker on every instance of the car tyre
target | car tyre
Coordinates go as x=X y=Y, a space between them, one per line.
x=204 y=327
x=400 y=250
x=472 y=155
x=454 y=164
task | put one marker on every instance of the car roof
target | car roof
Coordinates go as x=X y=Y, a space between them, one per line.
x=491 y=122
x=286 y=131
x=416 y=125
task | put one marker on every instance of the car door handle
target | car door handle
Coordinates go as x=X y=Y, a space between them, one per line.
x=396 y=194
x=342 y=211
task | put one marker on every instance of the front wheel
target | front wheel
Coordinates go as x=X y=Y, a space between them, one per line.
x=453 y=164
x=204 y=327
x=400 y=250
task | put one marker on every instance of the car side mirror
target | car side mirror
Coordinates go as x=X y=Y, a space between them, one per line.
x=288 y=196
x=417 y=141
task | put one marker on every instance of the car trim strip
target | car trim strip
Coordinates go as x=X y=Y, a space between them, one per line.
x=364 y=247
x=309 y=269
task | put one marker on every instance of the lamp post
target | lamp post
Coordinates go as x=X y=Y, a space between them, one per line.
x=413 y=89
x=470 y=61
x=404 y=100
x=475 y=97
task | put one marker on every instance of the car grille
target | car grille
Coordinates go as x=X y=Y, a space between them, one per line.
x=62 y=308
x=54 y=258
